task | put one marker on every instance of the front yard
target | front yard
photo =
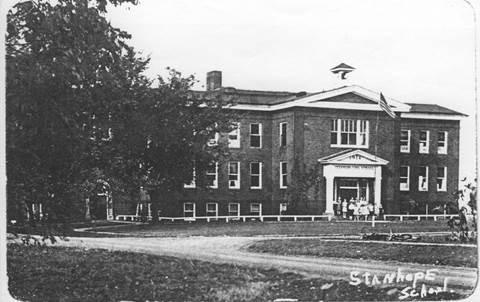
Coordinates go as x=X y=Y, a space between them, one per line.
x=425 y=254
x=274 y=228
x=70 y=274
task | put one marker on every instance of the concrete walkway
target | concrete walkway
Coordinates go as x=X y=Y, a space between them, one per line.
x=229 y=250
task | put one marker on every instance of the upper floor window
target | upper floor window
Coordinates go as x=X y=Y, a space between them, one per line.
x=283 y=175
x=442 y=142
x=234 y=137
x=442 y=179
x=214 y=140
x=424 y=139
x=423 y=179
x=404 y=178
x=212 y=175
x=255 y=175
x=192 y=184
x=283 y=134
x=234 y=175
x=405 y=141
x=256 y=135
x=349 y=133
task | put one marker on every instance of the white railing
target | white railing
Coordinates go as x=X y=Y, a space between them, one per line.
x=130 y=217
x=250 y=217
x=419 y=216
x=233 y=218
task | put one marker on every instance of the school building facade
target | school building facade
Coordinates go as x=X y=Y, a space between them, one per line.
x=357 y=149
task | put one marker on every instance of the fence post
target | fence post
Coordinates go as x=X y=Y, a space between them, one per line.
x=373 y=221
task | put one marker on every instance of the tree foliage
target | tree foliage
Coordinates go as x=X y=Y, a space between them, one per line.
x=80 y=109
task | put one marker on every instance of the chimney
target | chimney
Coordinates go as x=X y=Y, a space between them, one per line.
x=214 y=80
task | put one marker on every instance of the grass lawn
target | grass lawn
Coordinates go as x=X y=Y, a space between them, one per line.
x=68 y=274
x=441 y=255
x=274 y=228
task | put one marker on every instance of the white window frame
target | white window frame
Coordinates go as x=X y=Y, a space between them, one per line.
x=214 y=141
x=359 y=124
x=208 y=212
x=236 y=185
x=283 y=173
x=424 y=149
x=283 y=134
x=230 y=212
x=234 y=143
x=189 y=211
x=443 y=149
x=444 y=180
x=254 y=204
x=283 y=208
x=193 y=183
x=420 y=180
x=405 y=149
x=259 y=175
x=259 y=135
x=405 y=186
x=215 y=180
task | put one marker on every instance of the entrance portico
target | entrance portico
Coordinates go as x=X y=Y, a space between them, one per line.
x=351 y=170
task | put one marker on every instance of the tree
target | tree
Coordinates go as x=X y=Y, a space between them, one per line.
x=171 y=136
x=68 y=71
x=81 y=113
x=464 y=227
x=300 y=189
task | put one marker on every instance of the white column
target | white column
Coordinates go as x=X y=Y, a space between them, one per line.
x=378 y=188
x=329 y=195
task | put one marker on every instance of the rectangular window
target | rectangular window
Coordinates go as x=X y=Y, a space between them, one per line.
x=424 y=141
x=255 y=175
x=283 y=175
x=234 y=136
x=213 y=141
x=442 y=142
x=334 y=133
x=188 y=209
x=212 y=176
x=349 y=133
x=405 y=141
x=234 y=175
x=283 y=208
x=233 y=209
x=423 y=179
x=212 y=209
x=404 y=178
x=283 y=134
x=256 y=135
x=256 y=209
x=192 y=184
x=442 y=179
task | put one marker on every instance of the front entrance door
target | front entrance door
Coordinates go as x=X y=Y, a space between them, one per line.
x=358 y=189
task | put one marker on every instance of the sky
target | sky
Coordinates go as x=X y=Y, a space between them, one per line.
x=411 y=50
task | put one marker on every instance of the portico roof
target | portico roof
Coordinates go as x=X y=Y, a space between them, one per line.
x=353 y=157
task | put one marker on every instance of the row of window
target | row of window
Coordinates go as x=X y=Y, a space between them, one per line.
x=233 y=168
x=424 y=141
x=344 y=133
x=256 y=134
x=423 y=178
x=211 y=209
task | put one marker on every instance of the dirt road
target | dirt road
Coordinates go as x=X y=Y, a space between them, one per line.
x=229 y=250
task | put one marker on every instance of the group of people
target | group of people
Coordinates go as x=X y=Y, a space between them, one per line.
x=357 y=209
